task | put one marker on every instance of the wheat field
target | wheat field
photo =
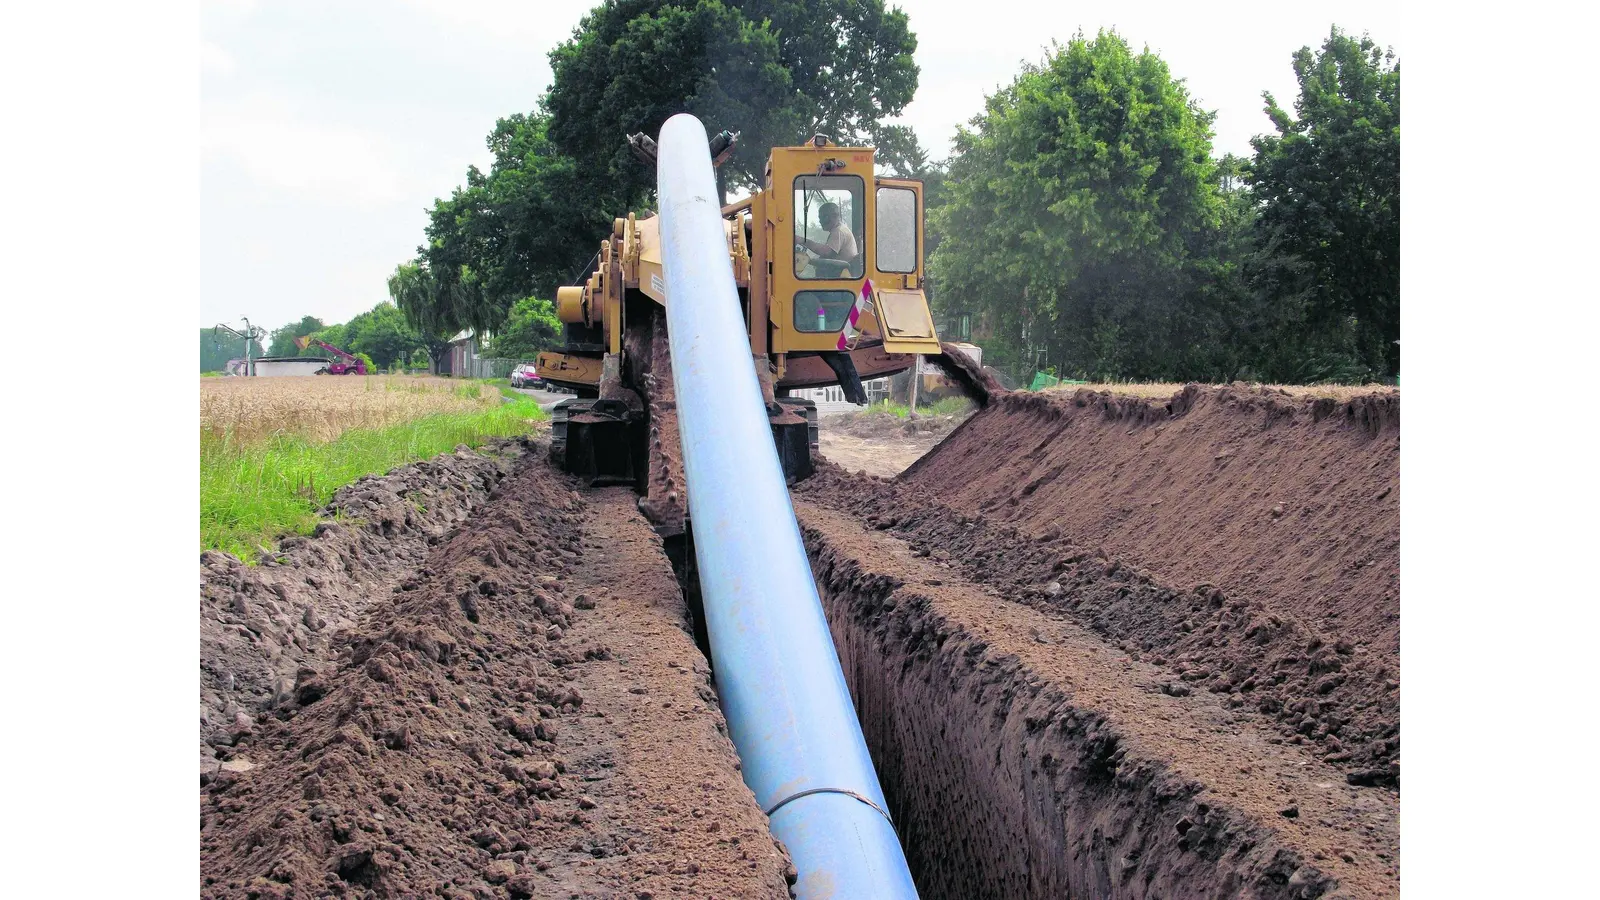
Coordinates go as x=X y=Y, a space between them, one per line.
x=246 y=411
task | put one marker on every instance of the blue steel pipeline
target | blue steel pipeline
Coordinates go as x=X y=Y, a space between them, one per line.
x=783 y=693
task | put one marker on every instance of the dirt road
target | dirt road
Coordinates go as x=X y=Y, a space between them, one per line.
x=880 y=445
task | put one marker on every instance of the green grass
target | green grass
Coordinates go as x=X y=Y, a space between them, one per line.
x=250 y=496
x=885 y=408
x=948 y=406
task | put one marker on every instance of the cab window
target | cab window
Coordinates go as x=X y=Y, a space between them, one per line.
x=829 y=226
x=817 y=311
x=897 y=230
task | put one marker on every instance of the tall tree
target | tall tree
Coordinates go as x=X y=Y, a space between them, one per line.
x=427 y=306
x=1329 y=187
x=382 y=333
x=776 y=71
x=1072 y=209
x=526 y=227
x=532 y=327
x=282 y=343
x=852 y=68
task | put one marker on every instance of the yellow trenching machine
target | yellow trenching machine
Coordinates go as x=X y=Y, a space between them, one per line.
x=827 y=259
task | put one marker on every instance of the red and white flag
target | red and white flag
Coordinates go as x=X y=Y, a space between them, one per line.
x=851 y=328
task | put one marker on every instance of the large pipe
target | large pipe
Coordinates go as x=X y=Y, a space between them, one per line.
x=788 y=709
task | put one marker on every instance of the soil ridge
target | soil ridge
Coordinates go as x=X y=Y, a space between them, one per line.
x=527 y=717
x=261 y=624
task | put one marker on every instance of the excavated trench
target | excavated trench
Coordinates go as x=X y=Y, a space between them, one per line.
x=1102 y=735
x=1193 y=716
x=1023 y=756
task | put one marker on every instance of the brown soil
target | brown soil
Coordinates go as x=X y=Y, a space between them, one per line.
x=528 y=717
x=1293 y=503
x=882 y=445
x=260 y=624
x=883 y=457
x=1245 y=542
x=973 y=380
x=1024 y=756
x=1101 y=646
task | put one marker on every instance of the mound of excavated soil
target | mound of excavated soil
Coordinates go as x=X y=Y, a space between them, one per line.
x=260 y=624
x=1291 y=502
x=1245 y=541
x=527 y=716
x=1025 y=756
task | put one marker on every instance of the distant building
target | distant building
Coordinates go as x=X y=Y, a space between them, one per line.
x=463 y=361
x=831 y=399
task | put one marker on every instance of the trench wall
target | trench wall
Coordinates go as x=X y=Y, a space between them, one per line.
x=1002 y=786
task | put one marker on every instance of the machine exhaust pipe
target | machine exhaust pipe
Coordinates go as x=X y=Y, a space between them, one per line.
x=788 y=709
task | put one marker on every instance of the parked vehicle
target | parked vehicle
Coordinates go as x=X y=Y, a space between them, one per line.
x=526 y=375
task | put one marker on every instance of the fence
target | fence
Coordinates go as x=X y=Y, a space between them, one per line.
x=480 y=367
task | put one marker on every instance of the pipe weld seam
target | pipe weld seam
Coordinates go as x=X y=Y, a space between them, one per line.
x=828 y=790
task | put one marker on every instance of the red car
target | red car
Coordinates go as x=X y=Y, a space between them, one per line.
x=526 y=376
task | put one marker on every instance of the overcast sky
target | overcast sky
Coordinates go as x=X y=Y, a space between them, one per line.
x=328 y=128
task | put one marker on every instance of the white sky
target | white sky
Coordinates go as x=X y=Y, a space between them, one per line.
x=328 y=128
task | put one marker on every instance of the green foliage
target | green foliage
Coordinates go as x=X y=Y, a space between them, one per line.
x=282 y=343
x=883 y=408
x=217 y=349
x=252 y=495
x=382 y=335
x=336 y=334
x=1085 y=226
x=1073 y=206
x=776 y=71
x=532 y=327
x=427 y=307
x=527 y=227
x=948 y=406
x=1328 y=184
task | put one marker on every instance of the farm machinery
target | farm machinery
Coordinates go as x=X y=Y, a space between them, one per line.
x=347 y=364
x=827 y=261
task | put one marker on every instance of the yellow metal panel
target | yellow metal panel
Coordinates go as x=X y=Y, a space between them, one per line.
x=652 y=278
x=788 y=163
x=569 y=304
x=568 y=368
x=908 y=326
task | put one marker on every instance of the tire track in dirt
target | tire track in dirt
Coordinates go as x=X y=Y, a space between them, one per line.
x=528 y=717
x=1023 y=756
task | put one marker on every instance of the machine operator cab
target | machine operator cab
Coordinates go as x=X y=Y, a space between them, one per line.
x=849 y=229
x=825 y=233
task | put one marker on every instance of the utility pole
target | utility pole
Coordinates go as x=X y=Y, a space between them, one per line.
x=250 y=333
x=916 y=377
